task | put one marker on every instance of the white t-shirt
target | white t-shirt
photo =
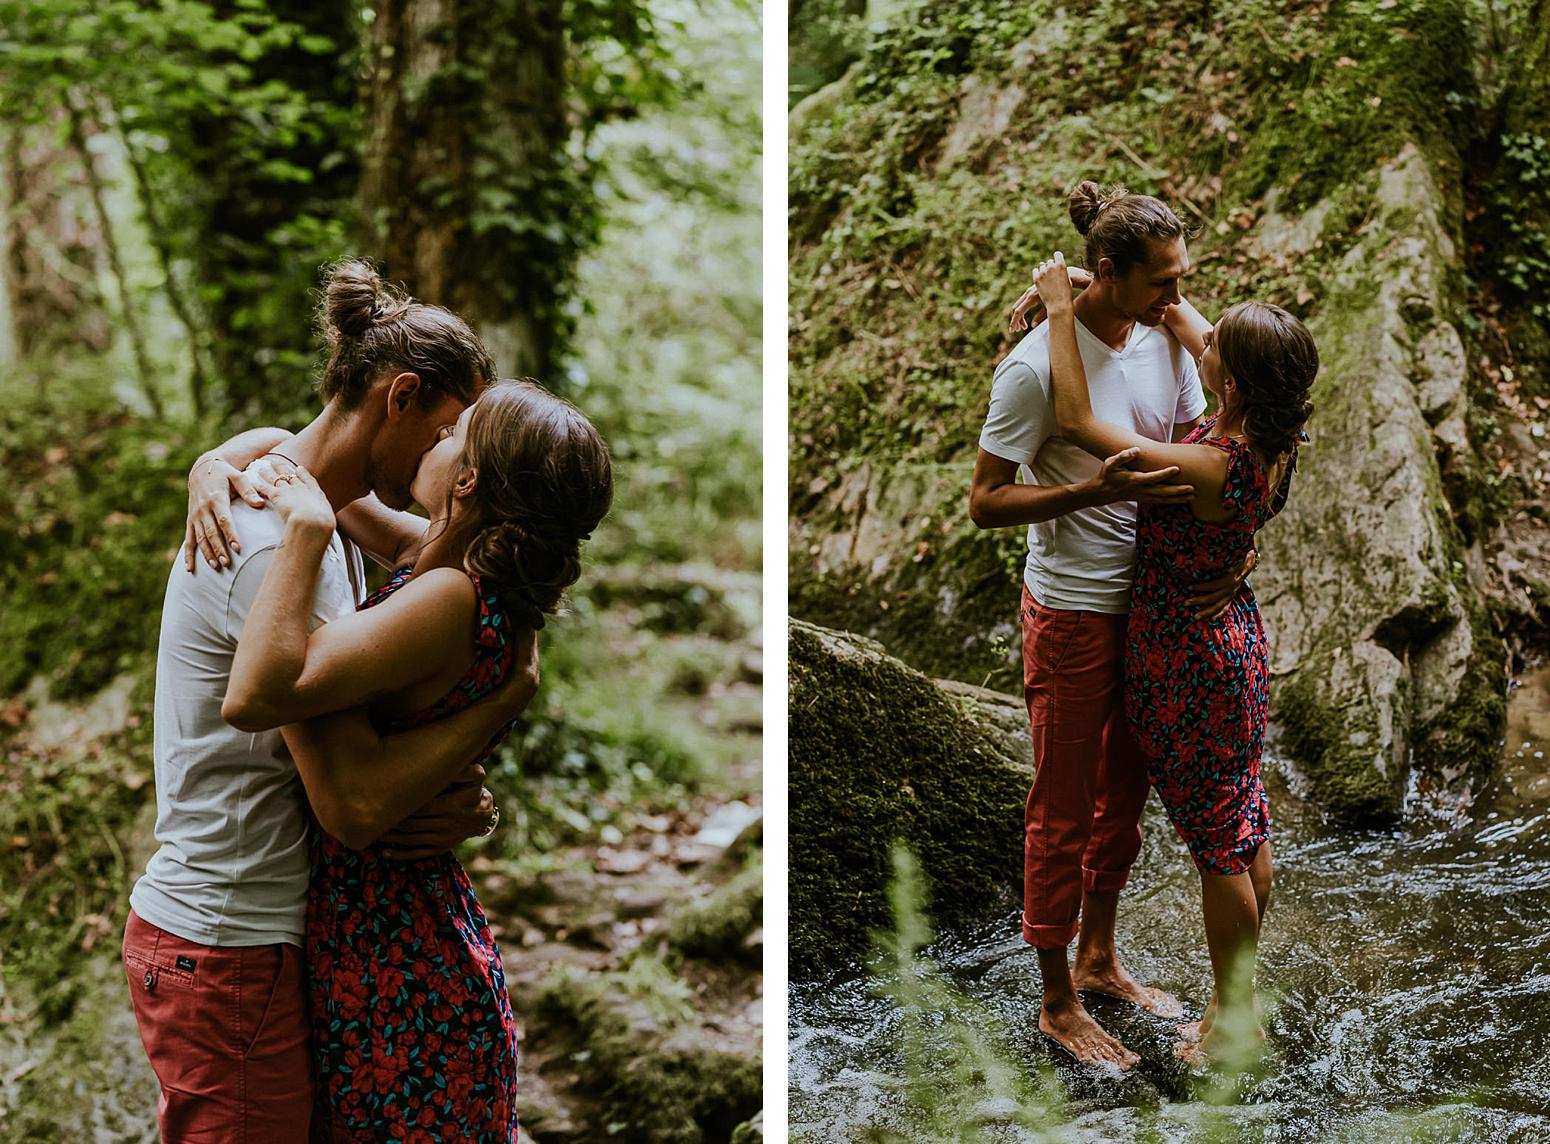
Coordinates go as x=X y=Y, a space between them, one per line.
x=1085 y=560
x=232 y=867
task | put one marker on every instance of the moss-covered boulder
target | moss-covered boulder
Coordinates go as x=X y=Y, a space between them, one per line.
x=879 y=754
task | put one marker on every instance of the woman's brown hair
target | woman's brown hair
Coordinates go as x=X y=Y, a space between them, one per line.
x=1120 y=226
x=372 y=326
x=1273 y=360
x=544 y=482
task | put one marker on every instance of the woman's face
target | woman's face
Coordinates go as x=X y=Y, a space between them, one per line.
x=439 y=469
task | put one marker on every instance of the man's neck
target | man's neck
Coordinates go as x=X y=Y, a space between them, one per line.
x=334 y=449
x=1095 y=311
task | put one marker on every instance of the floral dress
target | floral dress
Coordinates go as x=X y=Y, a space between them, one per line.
x=1196 y=692
x=412 y=1030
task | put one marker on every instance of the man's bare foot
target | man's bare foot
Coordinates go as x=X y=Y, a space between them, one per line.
x=1113 y=980
x=1074 y=1029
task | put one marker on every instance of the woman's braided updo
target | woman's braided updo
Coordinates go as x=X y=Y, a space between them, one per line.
x=372 y=327
x=1273 y=360
x=544 y=482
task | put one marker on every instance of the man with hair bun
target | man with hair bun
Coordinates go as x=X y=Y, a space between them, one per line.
x=1082 y=828
x=213 y=945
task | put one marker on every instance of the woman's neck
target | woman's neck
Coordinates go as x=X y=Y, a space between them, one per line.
x=444 y=546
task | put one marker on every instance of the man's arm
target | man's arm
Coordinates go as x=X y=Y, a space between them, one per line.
x=996 y=500
x=362 y=784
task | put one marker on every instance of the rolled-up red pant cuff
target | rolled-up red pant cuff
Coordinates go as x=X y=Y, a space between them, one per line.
x=1105 y=881
x=1049 y=937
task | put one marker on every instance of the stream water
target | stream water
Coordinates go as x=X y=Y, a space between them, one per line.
x=1405 y=976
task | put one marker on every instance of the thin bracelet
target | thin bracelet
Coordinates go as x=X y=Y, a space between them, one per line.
x=282 y=456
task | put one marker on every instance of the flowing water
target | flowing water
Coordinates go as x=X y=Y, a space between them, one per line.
x=1405 y=976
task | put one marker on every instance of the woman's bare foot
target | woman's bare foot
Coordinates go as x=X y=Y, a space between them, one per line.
x=1200 y=1042
x=1113 y=980
x=1074 y=1029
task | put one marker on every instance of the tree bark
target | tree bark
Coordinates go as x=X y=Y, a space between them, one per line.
x=110 y=245
x=466 y=135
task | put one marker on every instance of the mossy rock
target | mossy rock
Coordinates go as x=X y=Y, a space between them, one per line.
x=717 y=926
x=881 y=754
x=661 y=1077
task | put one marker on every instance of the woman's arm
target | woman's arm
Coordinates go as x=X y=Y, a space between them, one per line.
x=1189 y=326
x=282 y=672
x=389 y=537
x=1201 y=466
x=362 y=784
x=216 y=475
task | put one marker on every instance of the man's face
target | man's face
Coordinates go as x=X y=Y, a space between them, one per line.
x=1145 y=291
x=402 y=443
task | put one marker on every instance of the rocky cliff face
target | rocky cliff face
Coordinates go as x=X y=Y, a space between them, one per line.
x=1328 y=173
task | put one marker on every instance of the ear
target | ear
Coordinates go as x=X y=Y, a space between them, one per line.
x=403 y=392
x=467 y=481
x=1104 y=271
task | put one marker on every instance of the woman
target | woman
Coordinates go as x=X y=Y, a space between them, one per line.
x=412 y=1026
x=1196 y=690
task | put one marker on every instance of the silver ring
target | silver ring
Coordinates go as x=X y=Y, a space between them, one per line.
x=495 y=820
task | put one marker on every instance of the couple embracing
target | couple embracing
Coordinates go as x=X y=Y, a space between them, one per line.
x=303 y=952
x=1144 y=659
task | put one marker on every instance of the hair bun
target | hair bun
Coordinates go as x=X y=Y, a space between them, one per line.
x=1088 y=201
x=354 y=296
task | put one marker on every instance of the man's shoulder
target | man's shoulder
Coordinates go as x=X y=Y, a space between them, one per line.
x=1031 y=354
x=256 y=528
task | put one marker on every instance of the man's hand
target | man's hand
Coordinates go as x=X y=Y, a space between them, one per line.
x=466 y=809
x=212 y=484
x=1117 y=481
x=1211 y=597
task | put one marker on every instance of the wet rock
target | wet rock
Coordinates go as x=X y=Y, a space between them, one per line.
x=880 y=753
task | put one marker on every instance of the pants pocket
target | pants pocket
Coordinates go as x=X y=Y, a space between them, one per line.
x=1051 y=633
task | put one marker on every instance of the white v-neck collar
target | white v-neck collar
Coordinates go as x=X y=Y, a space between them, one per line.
x=1130 y=342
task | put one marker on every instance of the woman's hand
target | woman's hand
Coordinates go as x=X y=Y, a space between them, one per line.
x=1030 y=302
x=1054 y=285
x=300 y=503
x=212 y=485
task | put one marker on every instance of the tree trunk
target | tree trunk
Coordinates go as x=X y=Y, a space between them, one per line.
x=110 y=245
x=465 y=164
x=198 y=379
x=49 y=249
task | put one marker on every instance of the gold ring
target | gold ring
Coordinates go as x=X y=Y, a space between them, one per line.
x=495 y=819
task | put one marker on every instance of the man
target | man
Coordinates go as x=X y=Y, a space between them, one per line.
x=213 y=947
x=1082 y=820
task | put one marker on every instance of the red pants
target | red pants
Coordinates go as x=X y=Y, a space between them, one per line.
x=226 y=1032
x=1082 y=825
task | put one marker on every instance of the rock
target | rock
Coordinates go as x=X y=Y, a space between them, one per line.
x=718 y=925
x=984 y=111
x=661 y=1075
x=725 y=823
x=879 y=754
x=1381 y=649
